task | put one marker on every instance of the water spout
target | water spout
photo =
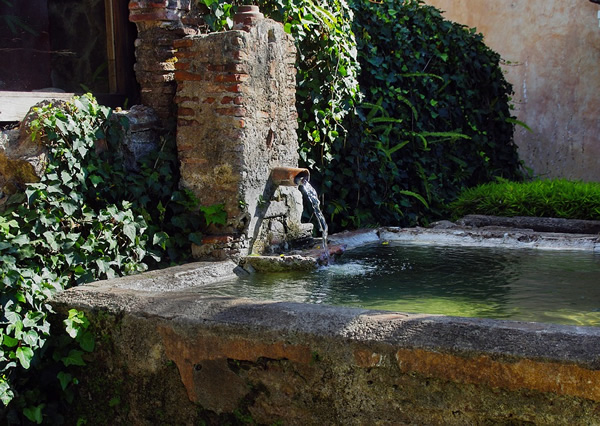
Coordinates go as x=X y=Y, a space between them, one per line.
x=292 y=176
x=289 y=176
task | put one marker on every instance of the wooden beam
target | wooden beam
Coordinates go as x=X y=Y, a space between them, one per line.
x=14 y=105
x=111 y=40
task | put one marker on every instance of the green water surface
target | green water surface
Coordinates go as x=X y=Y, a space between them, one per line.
x=560 y=287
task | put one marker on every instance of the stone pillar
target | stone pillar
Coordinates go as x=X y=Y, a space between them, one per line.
x=237 y=121
x=159 y=24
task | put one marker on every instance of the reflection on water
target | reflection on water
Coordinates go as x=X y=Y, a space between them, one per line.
x=529 y=285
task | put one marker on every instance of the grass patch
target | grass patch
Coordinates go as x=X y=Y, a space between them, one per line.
x=540 y=198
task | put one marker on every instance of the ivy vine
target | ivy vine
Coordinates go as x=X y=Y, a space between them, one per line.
x=87 y=219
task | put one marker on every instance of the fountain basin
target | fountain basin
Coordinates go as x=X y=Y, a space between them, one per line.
x=204 y=358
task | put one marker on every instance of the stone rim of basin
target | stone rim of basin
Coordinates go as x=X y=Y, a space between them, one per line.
x=552 y=233
x=304 y=260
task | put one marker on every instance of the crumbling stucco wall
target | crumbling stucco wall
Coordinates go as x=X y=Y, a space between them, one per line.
x=552 y=49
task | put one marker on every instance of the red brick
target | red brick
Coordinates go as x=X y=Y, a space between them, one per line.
x=182 y=122
x=183 y=42
x=185 y=112
x=212 y=67
x=232 y=68
x=158 y=15
x=231 y=78
x=236 y=88
x=180 y=54
x=232 y=111
x=208 y=101
x=180 y=99
x=187 y=76
x=133 y=5
x=237 y=100
x=182 y=66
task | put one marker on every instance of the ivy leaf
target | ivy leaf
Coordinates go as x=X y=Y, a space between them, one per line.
x=34 y=414
x=214 y=214
x=24 y=355
x=69 y=208
x=30 y=338
x=160 y=239
x=73 y=358
x=51 y=240
x=21 y=239
x=86 y=341
x=10 y=342
x=129 y=230
x=95 y=179
x=64 y=379
x=6 y=394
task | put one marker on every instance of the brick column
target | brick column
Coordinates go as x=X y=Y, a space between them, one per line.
x=159 y=24
x=236 y=121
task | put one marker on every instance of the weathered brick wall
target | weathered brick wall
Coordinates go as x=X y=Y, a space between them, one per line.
x=236 y=121
x=159 y=24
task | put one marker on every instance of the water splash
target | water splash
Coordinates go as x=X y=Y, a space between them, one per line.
x=313 y=197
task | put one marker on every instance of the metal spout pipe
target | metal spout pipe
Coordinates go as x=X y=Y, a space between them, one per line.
x=289 y=176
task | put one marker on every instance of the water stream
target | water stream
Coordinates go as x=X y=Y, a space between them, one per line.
x=313 y=197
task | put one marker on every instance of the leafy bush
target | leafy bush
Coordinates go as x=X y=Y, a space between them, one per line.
x=435 y=119
x=87 y=219
x=541 y=198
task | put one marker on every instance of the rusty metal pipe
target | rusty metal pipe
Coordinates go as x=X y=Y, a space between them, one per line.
x=289 y=176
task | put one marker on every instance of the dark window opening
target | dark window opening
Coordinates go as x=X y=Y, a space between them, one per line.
x=71 y=46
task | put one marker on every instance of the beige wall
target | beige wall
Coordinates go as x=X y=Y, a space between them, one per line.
x=554 y=50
